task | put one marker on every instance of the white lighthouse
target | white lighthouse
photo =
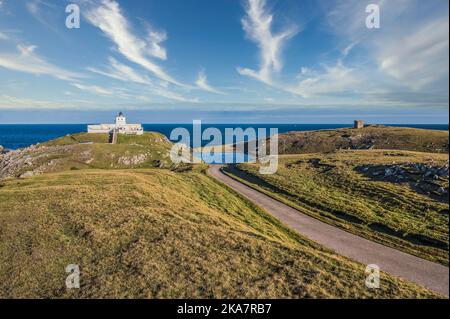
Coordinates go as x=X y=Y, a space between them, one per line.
x=120 y=126
x=120 y=120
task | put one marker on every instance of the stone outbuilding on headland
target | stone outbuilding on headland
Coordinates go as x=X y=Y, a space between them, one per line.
x=358 y=124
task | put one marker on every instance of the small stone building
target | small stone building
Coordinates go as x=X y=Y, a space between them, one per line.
x=358 y=124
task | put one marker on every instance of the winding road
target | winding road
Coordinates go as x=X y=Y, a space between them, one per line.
x=426 y=273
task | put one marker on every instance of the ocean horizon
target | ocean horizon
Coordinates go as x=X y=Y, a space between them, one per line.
x=15 y=136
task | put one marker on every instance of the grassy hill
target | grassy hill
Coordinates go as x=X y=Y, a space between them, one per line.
x=370 y=137
x=398 y=198
x=155 y=233
x=85 y=151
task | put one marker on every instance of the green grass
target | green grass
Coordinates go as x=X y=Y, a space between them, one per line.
x=78 y=138
x=153 y=233
x=147 y=139
x=390 y=213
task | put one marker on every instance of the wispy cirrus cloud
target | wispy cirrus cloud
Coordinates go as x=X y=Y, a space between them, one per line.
x=408 y=53
x=202 y=83
x=122 y=72
x=399 y=60
x=109 y=18
x=18 y=103
x=3 y=36
x=328 y=81
x=26 y=60
x=33 y=7
x=332 y=80
x=421 y=59
x=44 y=12
x=93 y=89
x=154 y=44
x=125 y=73
x=257 y=25
x=168 y=94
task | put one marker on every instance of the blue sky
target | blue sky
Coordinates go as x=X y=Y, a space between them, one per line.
x=225 y=61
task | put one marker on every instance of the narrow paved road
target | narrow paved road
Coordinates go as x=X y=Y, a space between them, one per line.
x=426 y=273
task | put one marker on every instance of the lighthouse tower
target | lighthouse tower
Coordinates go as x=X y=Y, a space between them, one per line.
x=121 y=120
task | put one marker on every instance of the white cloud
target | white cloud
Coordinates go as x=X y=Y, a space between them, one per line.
x=330 y=81
x=45 y=13
x=13 y=102
x=29 y=62
x=108 y=17
x=33 y=7
x=171 y=95
x=124 y=73
x=421 y=58
x=304 y=70
x=3 y=36
x=155 y=49
x=93 y=89
x=202 y=83
x=348 y=49
x=257 y=25
x=163 y=92
x=410 y=50
x=123 y=93
x=121 y=72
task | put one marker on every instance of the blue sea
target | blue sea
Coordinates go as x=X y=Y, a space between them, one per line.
x=14 y=136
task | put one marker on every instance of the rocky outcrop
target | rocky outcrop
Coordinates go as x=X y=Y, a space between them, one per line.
x=39 y=159
x=427 y=179
x=30 y=161
x=132 y=160
x=84 y=151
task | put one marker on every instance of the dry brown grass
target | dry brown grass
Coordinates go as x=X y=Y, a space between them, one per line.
x=160 y=234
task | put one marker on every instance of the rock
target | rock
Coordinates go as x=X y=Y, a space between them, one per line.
x=14 y=162
x=388 y=172
x=442 y=190
x=27 y=174
x=133 y=160
x=443 y=172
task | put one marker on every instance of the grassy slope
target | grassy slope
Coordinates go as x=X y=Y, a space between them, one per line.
x=389 y=213
x=73 y=152
x=148 y=138
x=378 y=137
x=157 y=233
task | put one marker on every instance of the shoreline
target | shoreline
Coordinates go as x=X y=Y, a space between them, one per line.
x=12 y=139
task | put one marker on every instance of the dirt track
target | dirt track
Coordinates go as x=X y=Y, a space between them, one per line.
x=426 y=273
